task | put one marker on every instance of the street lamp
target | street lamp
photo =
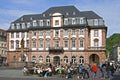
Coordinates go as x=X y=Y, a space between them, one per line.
x=71 y=57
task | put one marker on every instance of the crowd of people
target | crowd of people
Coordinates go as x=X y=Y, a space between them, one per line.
x=81 y=71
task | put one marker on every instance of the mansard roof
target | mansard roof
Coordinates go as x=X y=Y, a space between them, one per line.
x=66 y=11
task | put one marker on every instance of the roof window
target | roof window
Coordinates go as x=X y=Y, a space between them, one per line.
x=31 y=18
x=43 y=15
x=74 y=13
x=21 y=19
x=67 y=13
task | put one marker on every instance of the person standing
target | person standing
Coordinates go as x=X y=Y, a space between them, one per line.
x=94 y=70
x=80 y=71
x=108 y=70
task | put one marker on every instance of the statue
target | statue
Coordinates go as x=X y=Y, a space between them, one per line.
x=22 y=43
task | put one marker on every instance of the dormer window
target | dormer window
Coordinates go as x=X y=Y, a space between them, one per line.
x=28 y=25
x=74 y=13
x=34 y=23
x=50 y=14
x=31 y=18
x=56 y=22
x=67 y=13
x=95 y=22
x=73 y=21
x=43 y=15
x=21 y=19
x=41 y=22
x=23 y=25
x=12 y=26
x=18 y=26
x=66 y=22
x=48 y=22
x=81 y=21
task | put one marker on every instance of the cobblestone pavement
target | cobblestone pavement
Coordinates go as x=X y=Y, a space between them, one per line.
x=16 y=74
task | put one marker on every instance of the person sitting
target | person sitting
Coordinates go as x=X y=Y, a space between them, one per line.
x=25 y=70
x=48 y=72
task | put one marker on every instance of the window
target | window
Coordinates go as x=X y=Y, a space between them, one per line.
x=65 y=59
x=34 y=23
x=34 y=33
x=23 y=25
x=66 y=22
x=41 y=22
x=74 y=13
x=95 y=33
x=27 y=35
x=12 y=26
x=48 y=33
x=40 y=59
x=56 y=44
x=34 y=43
x=48 y=22
x=56 y=22
x=41 y=33
x=96 y=43
x=17 y=44
x=81 y=21
x=95 y=22
x=12 y=35
x=73 y=32
x=81 y=31
x=56 y=32
x=12 y=44
x=65 y=43
x=33 y=58
x=22 y=35
x=47 y=43
x=47 y=59
x=14 y=58
x=17 y=35
x=41 y=43
x=81 y=59
x=73 y=43
x=27 y=44
x=73 y=59
x=18 y=26
x=67 y=13
x=65 y=32
x=28 y=25
x=81 y=43
x=73 y=21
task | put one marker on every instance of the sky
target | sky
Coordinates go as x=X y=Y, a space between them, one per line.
x=109 y=10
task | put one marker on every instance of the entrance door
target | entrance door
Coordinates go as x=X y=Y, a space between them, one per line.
x=94 y=58
x=56 y=60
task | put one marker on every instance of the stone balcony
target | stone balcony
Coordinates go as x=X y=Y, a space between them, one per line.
x=56 y=50
x=96 y=48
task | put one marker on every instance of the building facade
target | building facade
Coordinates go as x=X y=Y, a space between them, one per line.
x=115 y=54
x=59 y=35
x=3 y=47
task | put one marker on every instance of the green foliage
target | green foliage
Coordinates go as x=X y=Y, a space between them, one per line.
x=112 y=40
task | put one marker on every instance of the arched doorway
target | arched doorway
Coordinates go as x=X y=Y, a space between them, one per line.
x=94 y=58
x=56 y=60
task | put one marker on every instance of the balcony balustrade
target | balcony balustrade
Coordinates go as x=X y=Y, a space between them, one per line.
x=56 y=50
x=96 y=48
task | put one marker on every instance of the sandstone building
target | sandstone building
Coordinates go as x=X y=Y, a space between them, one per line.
x=61 y=34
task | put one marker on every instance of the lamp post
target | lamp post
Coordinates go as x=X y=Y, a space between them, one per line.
x=22 y=49
x=71 y=57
